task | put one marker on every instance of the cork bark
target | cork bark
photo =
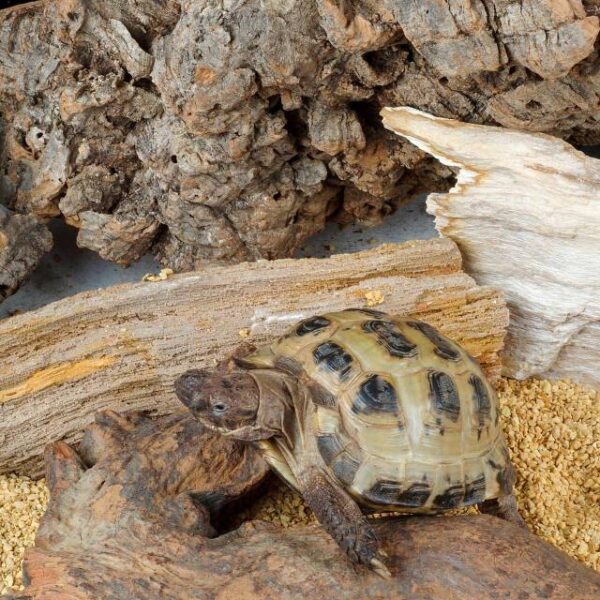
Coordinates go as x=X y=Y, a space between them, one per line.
x=123 y=347
x=525 y=213
x=211 y=131
x=130 y=517
x=23 y=242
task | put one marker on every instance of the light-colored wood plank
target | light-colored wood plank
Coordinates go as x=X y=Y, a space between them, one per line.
x=122 y=347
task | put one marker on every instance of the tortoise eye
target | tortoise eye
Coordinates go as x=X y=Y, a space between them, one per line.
x=219 y=408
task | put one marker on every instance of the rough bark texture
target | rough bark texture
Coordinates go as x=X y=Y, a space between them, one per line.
x=525 y=213
x=125 y=521
x=23 y=242
x=123 y=347
x=227 y=131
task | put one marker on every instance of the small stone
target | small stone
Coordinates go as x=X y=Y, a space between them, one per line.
x=161 y=276
x=374 y=298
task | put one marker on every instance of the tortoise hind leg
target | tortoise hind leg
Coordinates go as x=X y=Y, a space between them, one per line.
x=504 y=507
x=343 y=520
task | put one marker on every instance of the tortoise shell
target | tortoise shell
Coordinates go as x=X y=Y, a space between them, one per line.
x=403 y=417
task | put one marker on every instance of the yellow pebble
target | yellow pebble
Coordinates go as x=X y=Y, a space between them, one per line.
x=374 y=297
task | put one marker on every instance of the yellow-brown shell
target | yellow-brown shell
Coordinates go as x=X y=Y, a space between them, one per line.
x=405 y=418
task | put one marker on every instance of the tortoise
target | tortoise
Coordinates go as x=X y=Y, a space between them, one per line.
x=357 y=409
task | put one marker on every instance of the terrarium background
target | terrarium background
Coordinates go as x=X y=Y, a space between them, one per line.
x=327 y=159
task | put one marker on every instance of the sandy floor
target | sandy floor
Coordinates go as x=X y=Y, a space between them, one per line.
x=68 y=270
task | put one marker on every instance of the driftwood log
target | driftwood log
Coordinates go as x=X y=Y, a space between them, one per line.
x=129 y=518
x=23 y=242
x=123 y=347
x=230 y=131
x=525 y=213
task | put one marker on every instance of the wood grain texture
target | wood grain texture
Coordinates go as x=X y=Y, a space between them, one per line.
x=525 y=213
x=129 y=518
x=123 y=347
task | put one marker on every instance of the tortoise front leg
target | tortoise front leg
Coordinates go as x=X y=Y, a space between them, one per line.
x=343 y=520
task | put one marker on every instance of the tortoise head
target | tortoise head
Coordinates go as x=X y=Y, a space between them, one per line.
x=221 y=401
x=224 y=401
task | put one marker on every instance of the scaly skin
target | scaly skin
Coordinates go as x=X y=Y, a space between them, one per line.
x=343 y=520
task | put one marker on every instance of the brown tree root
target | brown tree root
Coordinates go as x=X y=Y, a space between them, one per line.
x=129 y=518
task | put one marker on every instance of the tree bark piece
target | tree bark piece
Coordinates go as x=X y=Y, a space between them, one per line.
x=232 y=131
x=125 y=521
x=123 y=347
x=525 y=213
x=23 y=242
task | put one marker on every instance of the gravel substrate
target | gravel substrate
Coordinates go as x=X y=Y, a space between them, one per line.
x=22 y=504
x=553 y=431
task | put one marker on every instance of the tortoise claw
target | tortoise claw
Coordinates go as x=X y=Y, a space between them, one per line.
x=380 y=568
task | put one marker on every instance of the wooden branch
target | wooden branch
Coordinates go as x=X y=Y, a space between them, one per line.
x=525 y=212
x=123 y=347
x=129 y=519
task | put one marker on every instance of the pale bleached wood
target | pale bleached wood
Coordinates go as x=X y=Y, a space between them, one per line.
x=525 y=213
x=122 y=347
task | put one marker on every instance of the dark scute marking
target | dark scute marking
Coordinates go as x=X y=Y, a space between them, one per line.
x=390 y=337
x=414 y=496
x=493 y=464
x=242 y=363
x=481 y=399
x=505 y=475
x=321 y=396
x=367 y=311
x=334 y=358
x=312 y=325
x=329 y=447
x=384 y=491
x=289 y=365
x=436 y=429
x=443 y=347
x=475 y=490
x=345 y=468
x=375 y=395
x=444 y=394
x=451 y=498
